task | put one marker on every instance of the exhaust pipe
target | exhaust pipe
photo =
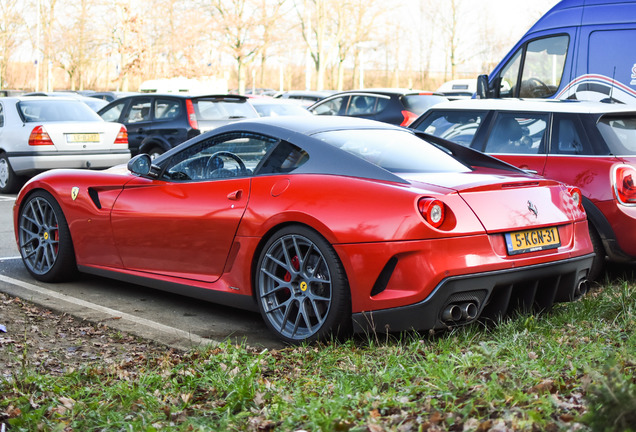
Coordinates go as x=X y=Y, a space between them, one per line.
x=452 y=313
x=581 y=289
x=469 y=310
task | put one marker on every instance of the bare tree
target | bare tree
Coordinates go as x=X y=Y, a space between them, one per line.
x=10 y=25
x=129 y=44
x=243 y=26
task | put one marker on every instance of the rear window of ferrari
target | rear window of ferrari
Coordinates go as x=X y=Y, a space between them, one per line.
x=619 y=133
x=394 y=150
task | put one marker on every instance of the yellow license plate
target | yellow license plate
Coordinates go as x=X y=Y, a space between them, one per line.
x=532 y=240
x=82 y=137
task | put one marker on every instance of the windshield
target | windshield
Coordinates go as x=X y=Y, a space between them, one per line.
x=219 y=109
x=420 y=103
x=56 y=110
x=394 y=150
x=619 y=134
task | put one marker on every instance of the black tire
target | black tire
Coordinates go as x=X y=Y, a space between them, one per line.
x=9 y=181
x=301 y=287
x=598 y=265
x=155 y=152
x=44 y=239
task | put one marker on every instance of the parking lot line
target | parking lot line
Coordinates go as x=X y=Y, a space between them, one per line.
x=113 y=313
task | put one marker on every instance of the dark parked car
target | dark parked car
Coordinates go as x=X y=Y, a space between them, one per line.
x=589 y=145
x=394 y=106
x=158 y=122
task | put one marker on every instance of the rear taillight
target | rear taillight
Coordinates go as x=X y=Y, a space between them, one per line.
x=409 y=118
x=577 y=197
x=432 y=210
x=192 y=117
x=625 y=184
x=122 y=136
x=39 y=137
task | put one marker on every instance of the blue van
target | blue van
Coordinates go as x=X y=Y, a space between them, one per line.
x=580 y=49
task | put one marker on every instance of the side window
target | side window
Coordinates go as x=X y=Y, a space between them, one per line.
x=229 y=156
x=330 y=107
x=543 y=67
x=166 y=109
x=139 y=111
x=361 y=105
x=113 y=113
x=569 y=139
x=518 y=133
x=1 y=116
x=457 y=126
x=510 y=75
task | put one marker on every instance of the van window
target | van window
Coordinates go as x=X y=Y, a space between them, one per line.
x=543 y=67
x=543 y=63
x=619 y=133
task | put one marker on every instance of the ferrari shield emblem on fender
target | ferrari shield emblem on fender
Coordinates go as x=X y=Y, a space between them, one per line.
x=74 y=192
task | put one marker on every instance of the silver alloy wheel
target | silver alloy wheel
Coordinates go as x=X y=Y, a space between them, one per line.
x=39 y=235
x=295 y=287
x=4 y=173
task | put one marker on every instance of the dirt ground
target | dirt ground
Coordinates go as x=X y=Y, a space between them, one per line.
x=55 y=343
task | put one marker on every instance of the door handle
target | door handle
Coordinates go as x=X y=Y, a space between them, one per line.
x=236 y=195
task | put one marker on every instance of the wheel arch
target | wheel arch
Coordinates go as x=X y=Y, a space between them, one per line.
x=154 y=141
x=271 y=231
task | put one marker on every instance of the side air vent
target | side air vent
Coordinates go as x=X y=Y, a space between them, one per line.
x=384 y=277
x=94 y=197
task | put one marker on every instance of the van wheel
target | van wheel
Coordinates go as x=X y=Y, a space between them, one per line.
x=9 y=181
x=598 y=265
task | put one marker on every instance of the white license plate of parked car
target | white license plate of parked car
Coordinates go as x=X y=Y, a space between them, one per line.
x=82 y=137
x=532 y=240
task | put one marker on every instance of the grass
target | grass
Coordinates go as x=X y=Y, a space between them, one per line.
x=570 y=369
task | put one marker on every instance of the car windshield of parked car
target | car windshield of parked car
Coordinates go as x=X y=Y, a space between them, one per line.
x=222 y=109
x=56 y=111
x=620 y=134
x=394 y=150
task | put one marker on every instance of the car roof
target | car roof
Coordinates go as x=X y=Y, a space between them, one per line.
x=535 y=105
x=184 y=96
x=387 y=91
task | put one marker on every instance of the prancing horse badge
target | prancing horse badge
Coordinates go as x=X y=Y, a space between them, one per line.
x=74 y=192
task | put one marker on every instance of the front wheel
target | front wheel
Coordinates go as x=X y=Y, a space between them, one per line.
x=301 y=287
x=44 y=239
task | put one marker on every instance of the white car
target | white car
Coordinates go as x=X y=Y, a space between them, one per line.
x=40 y=133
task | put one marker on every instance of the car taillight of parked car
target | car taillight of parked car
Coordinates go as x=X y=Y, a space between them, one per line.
x=409 y=117
x=122 y=136
x=577 y=197
x=39 y=136
x=192 y=117
x=624 y=184
x=433 y=211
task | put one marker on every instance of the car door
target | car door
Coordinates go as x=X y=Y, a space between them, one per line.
x=519 y=138
x=138 y=121
x=182 y=224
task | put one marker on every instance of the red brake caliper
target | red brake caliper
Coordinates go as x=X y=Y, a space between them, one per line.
x=296 y=264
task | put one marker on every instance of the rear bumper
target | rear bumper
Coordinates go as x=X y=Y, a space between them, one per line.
x=495 y=294
x=30 y=163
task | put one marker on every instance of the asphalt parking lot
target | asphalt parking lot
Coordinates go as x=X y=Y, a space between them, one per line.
x=166 y=318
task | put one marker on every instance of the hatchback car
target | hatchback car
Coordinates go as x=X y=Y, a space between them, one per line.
x=158 y=122
x=394 y=106
x=40 y=133
x=590 y=145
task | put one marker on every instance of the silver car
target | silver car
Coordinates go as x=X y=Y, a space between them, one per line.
x=40 y=133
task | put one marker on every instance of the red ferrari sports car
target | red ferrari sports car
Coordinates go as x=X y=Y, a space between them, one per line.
x=324 y=225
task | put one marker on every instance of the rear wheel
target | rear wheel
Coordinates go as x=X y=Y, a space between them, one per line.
x=9 y=181
x=44 y=239
x=301 y=287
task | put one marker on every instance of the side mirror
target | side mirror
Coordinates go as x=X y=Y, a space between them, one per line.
x=482 y=87
x=140 y=164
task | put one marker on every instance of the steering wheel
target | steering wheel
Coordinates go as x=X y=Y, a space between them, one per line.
x=219 y=171
x=537 y=87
